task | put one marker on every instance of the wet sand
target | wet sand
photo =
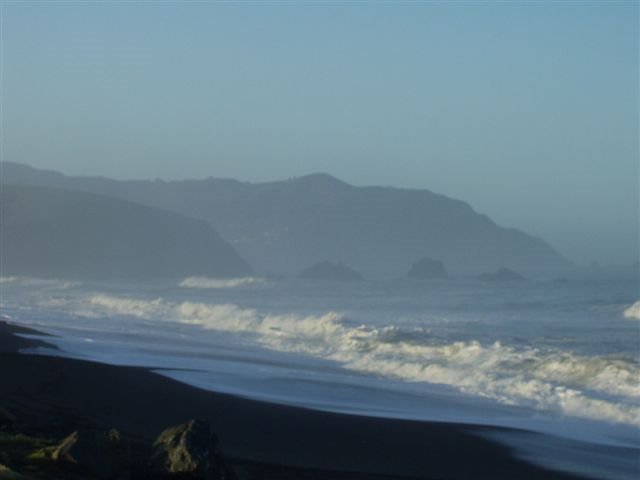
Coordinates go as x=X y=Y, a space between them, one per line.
x=55 y=396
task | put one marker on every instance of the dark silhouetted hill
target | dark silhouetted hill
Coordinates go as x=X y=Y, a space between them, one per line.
x=50 y=232
x=285 y=226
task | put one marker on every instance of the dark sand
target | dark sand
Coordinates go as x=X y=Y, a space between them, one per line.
x=58 y=395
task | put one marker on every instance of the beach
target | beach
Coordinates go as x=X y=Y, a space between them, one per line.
x=53 y=396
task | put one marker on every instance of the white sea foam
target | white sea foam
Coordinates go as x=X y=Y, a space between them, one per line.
x=206 y=282
x=552 y=380
x=124 y=306
x=633 y=311
x=52 y=283
x=9 y=280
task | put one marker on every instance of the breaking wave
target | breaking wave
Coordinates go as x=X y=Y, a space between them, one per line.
x=39 y=282
x=9 y=280
x=633 y=311
x=553 y=380
x=206 y=282
x=123 y=306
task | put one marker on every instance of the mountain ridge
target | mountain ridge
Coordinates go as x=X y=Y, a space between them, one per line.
x=284 y=226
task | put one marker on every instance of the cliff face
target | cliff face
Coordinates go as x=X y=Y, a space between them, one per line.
x=60 y=233
x=288 y=225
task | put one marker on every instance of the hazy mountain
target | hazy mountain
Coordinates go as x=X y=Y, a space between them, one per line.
x=70 y=234
x=288 y=225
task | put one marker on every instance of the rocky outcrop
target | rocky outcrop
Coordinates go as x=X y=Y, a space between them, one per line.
x=99 y=454
x=188 y=449
x=501 y=275
x=330 y=271
x=427 y=268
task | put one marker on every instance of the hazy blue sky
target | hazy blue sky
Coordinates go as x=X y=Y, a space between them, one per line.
x=528 y=111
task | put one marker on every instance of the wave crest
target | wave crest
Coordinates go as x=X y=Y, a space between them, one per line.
x=633 y=311
x=124 y=306
x=602 y=388
x=39 y=282
x=206 y=282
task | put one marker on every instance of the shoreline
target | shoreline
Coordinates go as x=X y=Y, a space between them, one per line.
x=59 y=395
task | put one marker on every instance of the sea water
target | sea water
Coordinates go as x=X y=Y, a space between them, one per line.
x=559 y=358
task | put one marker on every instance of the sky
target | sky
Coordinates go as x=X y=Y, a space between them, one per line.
x=526 y=110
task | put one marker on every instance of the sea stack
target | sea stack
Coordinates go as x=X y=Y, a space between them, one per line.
x=426 y=268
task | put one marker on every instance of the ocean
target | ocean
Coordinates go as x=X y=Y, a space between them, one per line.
x=556 y=358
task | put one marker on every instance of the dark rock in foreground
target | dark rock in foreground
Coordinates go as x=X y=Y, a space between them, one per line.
x=185 y=451
x=501 y=275
x=189 y=450
x=103 y=455
x=330 y=271
x=427 y=268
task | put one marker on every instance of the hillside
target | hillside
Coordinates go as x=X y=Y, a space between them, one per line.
x=70 y=234
x=287 y=225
